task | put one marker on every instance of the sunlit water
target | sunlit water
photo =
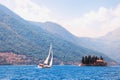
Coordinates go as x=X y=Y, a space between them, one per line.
x=59 y=73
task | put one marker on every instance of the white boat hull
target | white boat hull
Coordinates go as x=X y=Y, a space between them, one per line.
x=44 y=66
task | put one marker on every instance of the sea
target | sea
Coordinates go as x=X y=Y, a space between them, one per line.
x=65 y=72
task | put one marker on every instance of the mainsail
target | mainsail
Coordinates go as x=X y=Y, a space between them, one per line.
x=49 y=57
x=51 y=61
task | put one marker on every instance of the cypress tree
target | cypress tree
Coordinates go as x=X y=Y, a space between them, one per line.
x=89 y=59
x=96 y=58
x=86 y=60
x=92 y=59
x=101 y=57
x=83 y=60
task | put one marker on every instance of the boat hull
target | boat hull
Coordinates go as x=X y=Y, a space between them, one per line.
x=43 y=66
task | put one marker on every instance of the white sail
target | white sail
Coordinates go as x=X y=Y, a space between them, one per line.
x=51 y=60
x=47 y=59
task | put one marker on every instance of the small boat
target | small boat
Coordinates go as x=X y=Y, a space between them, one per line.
x=48 y=61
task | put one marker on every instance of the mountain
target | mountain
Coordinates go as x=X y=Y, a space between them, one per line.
x=62 y=33
x=113 y=43
x=22 y=37
x=57 y=30
x=108 y=44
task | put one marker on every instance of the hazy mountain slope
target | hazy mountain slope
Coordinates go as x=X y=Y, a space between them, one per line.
x=113 y=35
x=60 y=32
x=112 y=41
x=22 y=37
x=57 y=30
x=108 y=44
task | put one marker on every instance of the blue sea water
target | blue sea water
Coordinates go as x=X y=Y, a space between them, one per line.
x=59 y=73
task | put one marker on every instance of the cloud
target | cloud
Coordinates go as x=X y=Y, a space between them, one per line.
x=28 y=10
x=96 y=23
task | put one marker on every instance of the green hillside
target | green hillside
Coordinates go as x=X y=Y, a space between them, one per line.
x=22 y=37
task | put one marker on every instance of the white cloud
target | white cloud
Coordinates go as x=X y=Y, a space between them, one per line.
x=96 y=24
x=28 y=10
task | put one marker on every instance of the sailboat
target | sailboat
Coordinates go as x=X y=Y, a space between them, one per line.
x=48 y=61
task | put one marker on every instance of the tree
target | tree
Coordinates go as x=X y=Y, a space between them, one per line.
x=93 y=59
x=101 y=57
x=86 y=60
x=89 y=59
x=83 y=60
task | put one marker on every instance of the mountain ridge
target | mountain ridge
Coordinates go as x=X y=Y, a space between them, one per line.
x=24 y=38
x=54 y=27
x=101 y=44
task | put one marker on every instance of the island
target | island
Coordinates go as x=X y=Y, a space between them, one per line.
x=93 y=61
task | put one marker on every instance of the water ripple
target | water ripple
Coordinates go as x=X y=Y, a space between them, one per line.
x=59 y=73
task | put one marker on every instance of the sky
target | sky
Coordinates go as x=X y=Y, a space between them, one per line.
x=83 y=18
